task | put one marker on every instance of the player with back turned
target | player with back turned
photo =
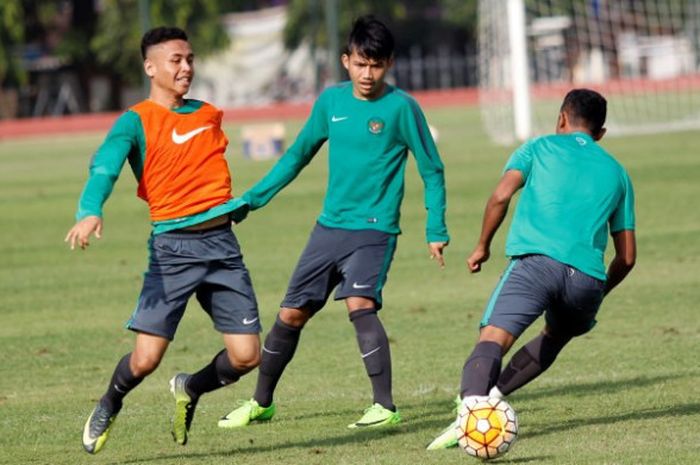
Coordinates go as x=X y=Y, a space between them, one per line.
x=574 y=194
x=175 y=147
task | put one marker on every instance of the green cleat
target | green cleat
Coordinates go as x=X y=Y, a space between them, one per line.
x=248 y=411
x=456 y=403
x=184 y=408
x=97 y=428
x=375 y=416
x=446 y=439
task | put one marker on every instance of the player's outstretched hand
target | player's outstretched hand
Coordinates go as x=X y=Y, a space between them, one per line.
x=240 y=212
x=80 y=233
x=436 y=249
x=479 y=255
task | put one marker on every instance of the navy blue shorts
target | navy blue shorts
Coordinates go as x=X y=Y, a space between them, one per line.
x=208 y=264
x=536 y=284
x=356 y=261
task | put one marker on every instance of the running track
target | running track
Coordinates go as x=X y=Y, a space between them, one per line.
x=101 y=122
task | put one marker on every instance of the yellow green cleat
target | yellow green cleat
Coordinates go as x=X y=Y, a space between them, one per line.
x=377 y=415
x=446 y=439
x=184 y=408
x=97 y=428
x=248 y=411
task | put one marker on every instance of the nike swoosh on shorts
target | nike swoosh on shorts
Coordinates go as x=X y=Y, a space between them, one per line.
x=361 y=286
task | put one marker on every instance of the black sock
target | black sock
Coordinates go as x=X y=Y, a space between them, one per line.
x=481 y=369
x=374 y=347
x=278 y=349
x=123 y=381
x=217 y=374
x=530 y=361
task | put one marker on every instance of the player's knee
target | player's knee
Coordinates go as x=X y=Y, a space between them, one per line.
x=294 y=317
x=144 y=364
x=499 y=336
x=244 y=362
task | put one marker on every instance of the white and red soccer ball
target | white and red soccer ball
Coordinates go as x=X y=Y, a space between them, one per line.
x=486 y=426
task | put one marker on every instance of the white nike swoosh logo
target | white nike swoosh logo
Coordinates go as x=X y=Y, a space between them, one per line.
x=182 y=138
x=86 y=432
x=265 y=349
x=371 y=352
x=361 y=286
x=335 y=119
x=246 y=321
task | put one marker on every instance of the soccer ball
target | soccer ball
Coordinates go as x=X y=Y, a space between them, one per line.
x=486 y=426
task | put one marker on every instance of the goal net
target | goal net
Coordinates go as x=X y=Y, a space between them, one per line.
x=642 y=55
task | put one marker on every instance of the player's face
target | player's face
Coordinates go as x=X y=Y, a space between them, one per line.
x=367 y=75
x=170 y=65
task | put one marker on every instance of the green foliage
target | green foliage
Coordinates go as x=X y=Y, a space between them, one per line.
x=11 y=34
x=426 y=23
x=117 y=40
x=625 y=394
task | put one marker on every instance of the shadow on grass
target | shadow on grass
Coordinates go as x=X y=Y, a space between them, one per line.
x=444 y=408
x=599 y=387
x=434 y=416
x=533 y=459
x=645 y=414
x=313 y=445
x=433 y=420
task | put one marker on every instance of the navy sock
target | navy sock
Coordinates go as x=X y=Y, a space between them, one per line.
x=123 y=381
x=278 y=349
x=217 y=374
x=374 y=347
x=481 y=369
x=530 y=361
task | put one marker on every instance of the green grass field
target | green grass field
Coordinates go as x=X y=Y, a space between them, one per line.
x=627 y=393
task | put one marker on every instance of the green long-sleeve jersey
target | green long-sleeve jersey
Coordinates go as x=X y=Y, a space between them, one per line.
x=368 y=145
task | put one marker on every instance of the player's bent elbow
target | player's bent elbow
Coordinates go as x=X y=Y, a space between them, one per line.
x=628 y=258
x=625 y=262
x=500 y=199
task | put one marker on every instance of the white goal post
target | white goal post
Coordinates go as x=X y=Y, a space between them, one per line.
x=642 y=55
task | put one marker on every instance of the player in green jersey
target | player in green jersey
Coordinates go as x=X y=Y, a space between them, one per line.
x=574 y=194
x=370 y=126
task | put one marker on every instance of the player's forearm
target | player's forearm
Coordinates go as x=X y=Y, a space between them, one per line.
x=625 y=257
x=496 y=209
x=436 y=228
x=617 y=271
x=435 y=205
x=284 y=172
x=96 y=192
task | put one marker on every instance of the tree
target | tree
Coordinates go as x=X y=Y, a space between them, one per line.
x=116 y=43
x=11 y=34
x=414 y=22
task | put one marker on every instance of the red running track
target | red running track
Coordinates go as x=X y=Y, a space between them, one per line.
x=101 y=122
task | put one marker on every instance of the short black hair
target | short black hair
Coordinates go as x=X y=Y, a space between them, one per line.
x=370 y=38
x=587 y=108
x=159 y=35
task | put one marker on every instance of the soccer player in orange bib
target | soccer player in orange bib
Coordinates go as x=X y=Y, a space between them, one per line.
x=175 y=147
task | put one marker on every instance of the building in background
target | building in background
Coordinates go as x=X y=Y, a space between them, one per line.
x=255 y=69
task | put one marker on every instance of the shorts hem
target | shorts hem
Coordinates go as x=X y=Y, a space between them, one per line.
x=343 y=296
x=135 y=329
x=239 y=330
x=302 y=304
x=512 y=331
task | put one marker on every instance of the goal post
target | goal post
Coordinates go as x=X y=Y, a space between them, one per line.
x=643 y=55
